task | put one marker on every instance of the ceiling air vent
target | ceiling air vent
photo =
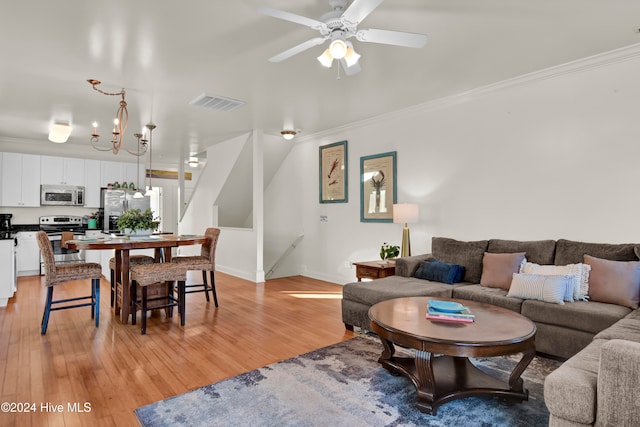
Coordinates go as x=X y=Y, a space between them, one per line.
x=219 y=103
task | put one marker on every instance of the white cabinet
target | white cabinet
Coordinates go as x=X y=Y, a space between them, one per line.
x=62 y=170
x=92 y=183
x=28 y=254
x=7 y=271
x=112 y=172
x=20 y=180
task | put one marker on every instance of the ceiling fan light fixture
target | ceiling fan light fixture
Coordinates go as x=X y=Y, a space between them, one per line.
x=288 y=134
x=351 y=57
x=59 y=132
x=338 y=48
x=326 y=59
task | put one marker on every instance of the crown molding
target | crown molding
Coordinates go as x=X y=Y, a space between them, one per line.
x=601 y=60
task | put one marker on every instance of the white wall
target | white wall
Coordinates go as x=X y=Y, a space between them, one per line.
x=547 y=156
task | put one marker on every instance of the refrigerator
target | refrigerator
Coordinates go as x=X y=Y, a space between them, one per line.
x=114 y=202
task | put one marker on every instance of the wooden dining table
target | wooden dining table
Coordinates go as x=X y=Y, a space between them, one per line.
x=122 y=245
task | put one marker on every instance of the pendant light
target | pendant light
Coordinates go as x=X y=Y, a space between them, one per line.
x=138 y=194
x=151 y=127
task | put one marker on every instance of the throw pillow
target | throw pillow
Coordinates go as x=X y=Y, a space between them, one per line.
x=467 y=254
x=498 y=269
x=548 y=288
x=439 y=271
x=579 y=274
x=614 y=282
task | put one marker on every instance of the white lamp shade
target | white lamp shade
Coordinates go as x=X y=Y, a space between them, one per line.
x=326 y=59
x=338 y=48
x=351 y=57
x=59 y=132
x=405 y=213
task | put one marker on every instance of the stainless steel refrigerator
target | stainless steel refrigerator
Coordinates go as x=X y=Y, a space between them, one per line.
x=115 y=202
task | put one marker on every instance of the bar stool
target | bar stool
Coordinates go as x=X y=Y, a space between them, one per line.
x=133 y=260
x=144 y=275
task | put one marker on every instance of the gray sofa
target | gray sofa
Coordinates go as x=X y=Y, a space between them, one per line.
x=587 y=333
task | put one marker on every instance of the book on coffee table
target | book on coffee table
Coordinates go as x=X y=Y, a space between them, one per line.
x=445 y=318
x=453 y=312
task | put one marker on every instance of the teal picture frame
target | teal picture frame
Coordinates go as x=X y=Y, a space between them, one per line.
x=333 y=173
x=378 y=187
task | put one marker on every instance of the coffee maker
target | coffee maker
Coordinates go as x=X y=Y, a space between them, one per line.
x=5 y=225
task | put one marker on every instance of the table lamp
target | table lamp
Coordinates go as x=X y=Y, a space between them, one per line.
x=405 y=213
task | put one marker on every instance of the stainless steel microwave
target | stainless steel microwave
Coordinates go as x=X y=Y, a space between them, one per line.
x=61 y=195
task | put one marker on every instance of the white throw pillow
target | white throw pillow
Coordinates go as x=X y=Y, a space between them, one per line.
x=545 y=288
x=579 y=274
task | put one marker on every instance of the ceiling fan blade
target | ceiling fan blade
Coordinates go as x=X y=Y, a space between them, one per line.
x=358 y=10
x=297 y=49
x=396 y=38
x=292 y=17
x=350 y=71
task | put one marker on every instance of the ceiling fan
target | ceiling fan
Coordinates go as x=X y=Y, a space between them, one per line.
x=339 y=25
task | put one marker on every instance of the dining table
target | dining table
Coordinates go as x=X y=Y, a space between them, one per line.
x=161 y=243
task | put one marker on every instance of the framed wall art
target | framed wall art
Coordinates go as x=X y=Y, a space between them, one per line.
x=377 y=187
x=333 y=173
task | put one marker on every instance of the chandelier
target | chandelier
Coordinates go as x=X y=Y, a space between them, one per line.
x=119 y=127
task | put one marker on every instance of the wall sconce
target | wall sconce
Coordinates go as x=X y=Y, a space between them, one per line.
x=59 y=132
x=406 y=213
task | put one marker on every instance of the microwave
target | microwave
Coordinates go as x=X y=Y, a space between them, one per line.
x=61 y=195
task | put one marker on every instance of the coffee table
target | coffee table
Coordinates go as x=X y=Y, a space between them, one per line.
x=441 y=369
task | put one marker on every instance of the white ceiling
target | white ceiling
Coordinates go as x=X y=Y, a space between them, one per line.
x=165 y=53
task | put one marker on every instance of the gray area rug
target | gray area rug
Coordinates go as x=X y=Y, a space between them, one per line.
x=343 y=385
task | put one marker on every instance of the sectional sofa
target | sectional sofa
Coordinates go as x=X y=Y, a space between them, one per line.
x=599 y=335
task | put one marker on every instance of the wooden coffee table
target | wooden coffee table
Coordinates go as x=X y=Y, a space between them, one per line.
x=440 y=369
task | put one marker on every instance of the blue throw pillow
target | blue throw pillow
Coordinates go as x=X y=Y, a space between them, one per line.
x=439 y=271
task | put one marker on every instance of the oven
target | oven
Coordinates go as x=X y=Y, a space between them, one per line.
x=57 y=225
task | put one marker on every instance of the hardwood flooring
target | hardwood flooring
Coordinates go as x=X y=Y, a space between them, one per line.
x=111 y=370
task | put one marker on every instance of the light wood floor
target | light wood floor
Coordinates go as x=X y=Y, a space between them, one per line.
x=115 y=369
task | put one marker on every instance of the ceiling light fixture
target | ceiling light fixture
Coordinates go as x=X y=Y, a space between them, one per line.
x=59 y=132
x=339 y=49
x=193 y=162
x=119 y=126
x=288 y=134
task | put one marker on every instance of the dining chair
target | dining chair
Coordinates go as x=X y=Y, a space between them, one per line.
x=206 y=262
x=143 y=276
x=56 y=274
x=133 y=260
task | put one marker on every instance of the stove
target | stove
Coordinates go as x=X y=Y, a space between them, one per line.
x=55 y=226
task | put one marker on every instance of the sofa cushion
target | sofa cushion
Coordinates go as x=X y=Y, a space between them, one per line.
x=390 y=287
x=579 y=274
x=615 y=282
x=540 y=287
x=538 y=251
x=467 y=254
x=495 y=296
x=585 y=316
x=498 y=269
x=408 y=265
x=623 y=329
x=570 y=252
x=570 y=391
x=439 y=271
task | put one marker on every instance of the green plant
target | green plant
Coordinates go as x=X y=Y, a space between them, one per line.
x=134 y=219
x=389 y=251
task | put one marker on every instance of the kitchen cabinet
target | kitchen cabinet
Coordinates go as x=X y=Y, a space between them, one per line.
x=28 y=254
x=20 y=180
x=7 y=271
x=112 y=172
x=92 y=183
x=62 y=170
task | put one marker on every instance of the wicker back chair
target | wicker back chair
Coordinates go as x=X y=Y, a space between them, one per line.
x=205 y=262
x=57 y=274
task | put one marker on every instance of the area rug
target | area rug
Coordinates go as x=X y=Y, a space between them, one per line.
x=343 y=385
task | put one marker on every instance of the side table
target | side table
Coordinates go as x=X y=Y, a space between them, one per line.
x=374 y=269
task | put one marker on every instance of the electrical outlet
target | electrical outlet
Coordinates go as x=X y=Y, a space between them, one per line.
x=324 y=218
